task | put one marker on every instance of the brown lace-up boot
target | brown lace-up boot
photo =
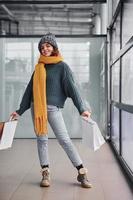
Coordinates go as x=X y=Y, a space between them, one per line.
x=82 y=178
x=45 y=182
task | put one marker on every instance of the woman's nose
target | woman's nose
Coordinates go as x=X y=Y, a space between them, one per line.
x=45 y=48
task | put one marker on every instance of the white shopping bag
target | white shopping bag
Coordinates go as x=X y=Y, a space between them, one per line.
x=91 y=137
x=8 y=134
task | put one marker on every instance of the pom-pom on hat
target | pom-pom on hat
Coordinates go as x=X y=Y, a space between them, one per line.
x=49 y=38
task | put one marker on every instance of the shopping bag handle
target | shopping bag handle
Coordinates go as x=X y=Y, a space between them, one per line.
x=10 y=119
x=89 y=120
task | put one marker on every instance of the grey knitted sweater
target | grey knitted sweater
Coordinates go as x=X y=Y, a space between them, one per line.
x=60 y=84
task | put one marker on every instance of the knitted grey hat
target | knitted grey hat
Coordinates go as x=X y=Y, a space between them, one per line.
x=49 y=38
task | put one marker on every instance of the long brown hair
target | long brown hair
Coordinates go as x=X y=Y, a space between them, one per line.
x=55 y=52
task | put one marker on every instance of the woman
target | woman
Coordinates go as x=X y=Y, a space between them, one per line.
x=46 y=96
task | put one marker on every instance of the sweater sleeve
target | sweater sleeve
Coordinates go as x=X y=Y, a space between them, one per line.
x=71 y=89
x=26 y=99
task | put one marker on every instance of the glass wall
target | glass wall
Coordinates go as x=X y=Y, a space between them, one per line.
x=121 y=79
x=115 y=38
x=127 y=138
x=127 y=77
x=127 y=22
x=18 y=58
x=115 y=82
x=115 y=97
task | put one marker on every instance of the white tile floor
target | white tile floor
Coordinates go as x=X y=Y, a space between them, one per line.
x=20 y=174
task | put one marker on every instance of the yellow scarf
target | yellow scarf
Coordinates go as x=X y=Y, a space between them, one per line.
x=39 y=93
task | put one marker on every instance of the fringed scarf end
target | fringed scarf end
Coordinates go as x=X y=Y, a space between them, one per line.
x=40 y=125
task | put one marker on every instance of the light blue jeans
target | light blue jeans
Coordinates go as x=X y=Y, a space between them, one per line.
x=57 y=124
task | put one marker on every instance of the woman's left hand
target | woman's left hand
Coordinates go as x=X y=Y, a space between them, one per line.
x=86 y=114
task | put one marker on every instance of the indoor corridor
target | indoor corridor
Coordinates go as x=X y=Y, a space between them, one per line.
x=20 y=174
x=94 y=40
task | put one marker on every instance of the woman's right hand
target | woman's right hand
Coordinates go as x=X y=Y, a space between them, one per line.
x=14 y=116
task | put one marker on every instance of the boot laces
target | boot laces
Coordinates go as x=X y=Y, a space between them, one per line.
x=45 y=174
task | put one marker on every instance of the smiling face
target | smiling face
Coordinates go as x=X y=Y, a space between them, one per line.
x=47 y=49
